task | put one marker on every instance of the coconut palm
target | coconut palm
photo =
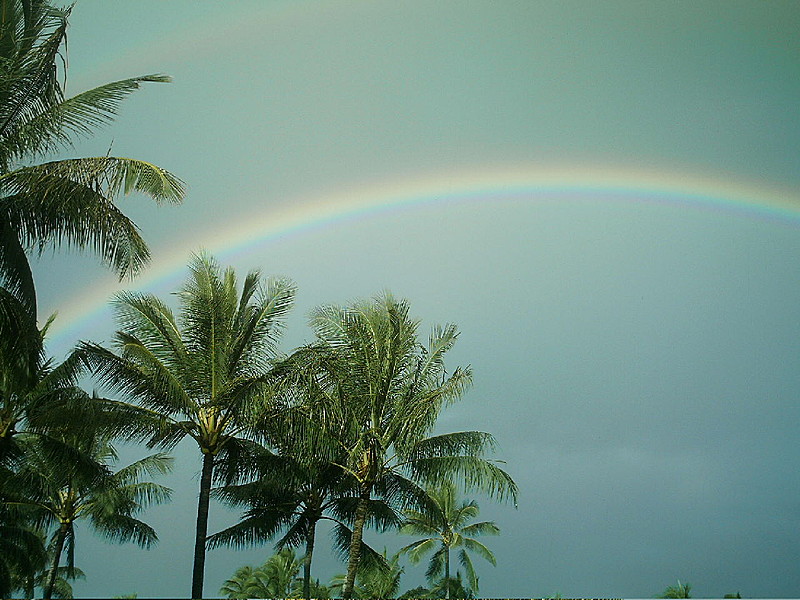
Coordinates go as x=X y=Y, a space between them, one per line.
x=52 y=495
x=237 y=586
x=27 y=582
x=445 y=523
x=453 y=586
x=197 y=375
x=681 y=590
x=276 y=578
x=68 y=201
x=379 y=394
x=380 y=583
x=285 y=496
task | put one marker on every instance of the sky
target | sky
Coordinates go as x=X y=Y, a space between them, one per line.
x=604 y=196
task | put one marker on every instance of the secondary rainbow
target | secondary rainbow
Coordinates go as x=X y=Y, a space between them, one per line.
x=304 y=215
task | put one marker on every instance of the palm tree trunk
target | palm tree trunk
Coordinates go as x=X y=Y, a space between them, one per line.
x=51 y=578
x=447 y=571
x=355 y=544
x=29 y=585
x=307 y=560
x=202 y=526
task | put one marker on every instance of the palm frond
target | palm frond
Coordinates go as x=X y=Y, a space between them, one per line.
x=476 y=473
x=54 y=126
x=436 y=564
x=15 y=271
x=479 y=549
x=416 y=550
x=123 y=528
x=466 y=562
x=482 y=528
x=71 y=202
x=250 y=531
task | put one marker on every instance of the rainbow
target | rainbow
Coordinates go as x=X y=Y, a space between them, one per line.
x=303 y=216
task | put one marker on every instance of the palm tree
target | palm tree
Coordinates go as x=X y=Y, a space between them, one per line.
x=444 y=522
x=198 y=375
x=294 y=498
x=52 y=495
x=453 y=586
x=237 y=586
x=380 y=583
x=677 y=591
x=379 y=394
x=67 y=201
x=38 y=399
x=27 y=581
x=274 y=579
x=286 y=495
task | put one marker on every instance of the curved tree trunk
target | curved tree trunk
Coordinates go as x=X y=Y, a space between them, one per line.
x=355 y=545
x=307 y=560
x=202 y=526
x=51 y=578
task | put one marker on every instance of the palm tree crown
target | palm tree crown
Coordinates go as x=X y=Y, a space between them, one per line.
x=276 y=578
x=378 y=394
x=61 y=201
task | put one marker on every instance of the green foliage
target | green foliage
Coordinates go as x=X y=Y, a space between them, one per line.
x=291 y=496
x=50 y=496
x=376 y=581
x=22 y=550
x=37 y=395
x=60 y=202
x=681 y=590
x=445 y=524
x=202 y=374
x=378 y=393
x=276 y=578
x=453 y=585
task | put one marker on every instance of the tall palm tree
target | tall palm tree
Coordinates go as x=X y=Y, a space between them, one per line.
x=380 y=393
x=295 y=489
x=446 y=524
x=198 y=375
x=68 y=201
x=52 y=495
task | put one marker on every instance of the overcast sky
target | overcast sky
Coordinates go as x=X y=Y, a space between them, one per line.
x=604 y=196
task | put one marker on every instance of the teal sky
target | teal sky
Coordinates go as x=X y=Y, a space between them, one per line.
x=635 y=348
